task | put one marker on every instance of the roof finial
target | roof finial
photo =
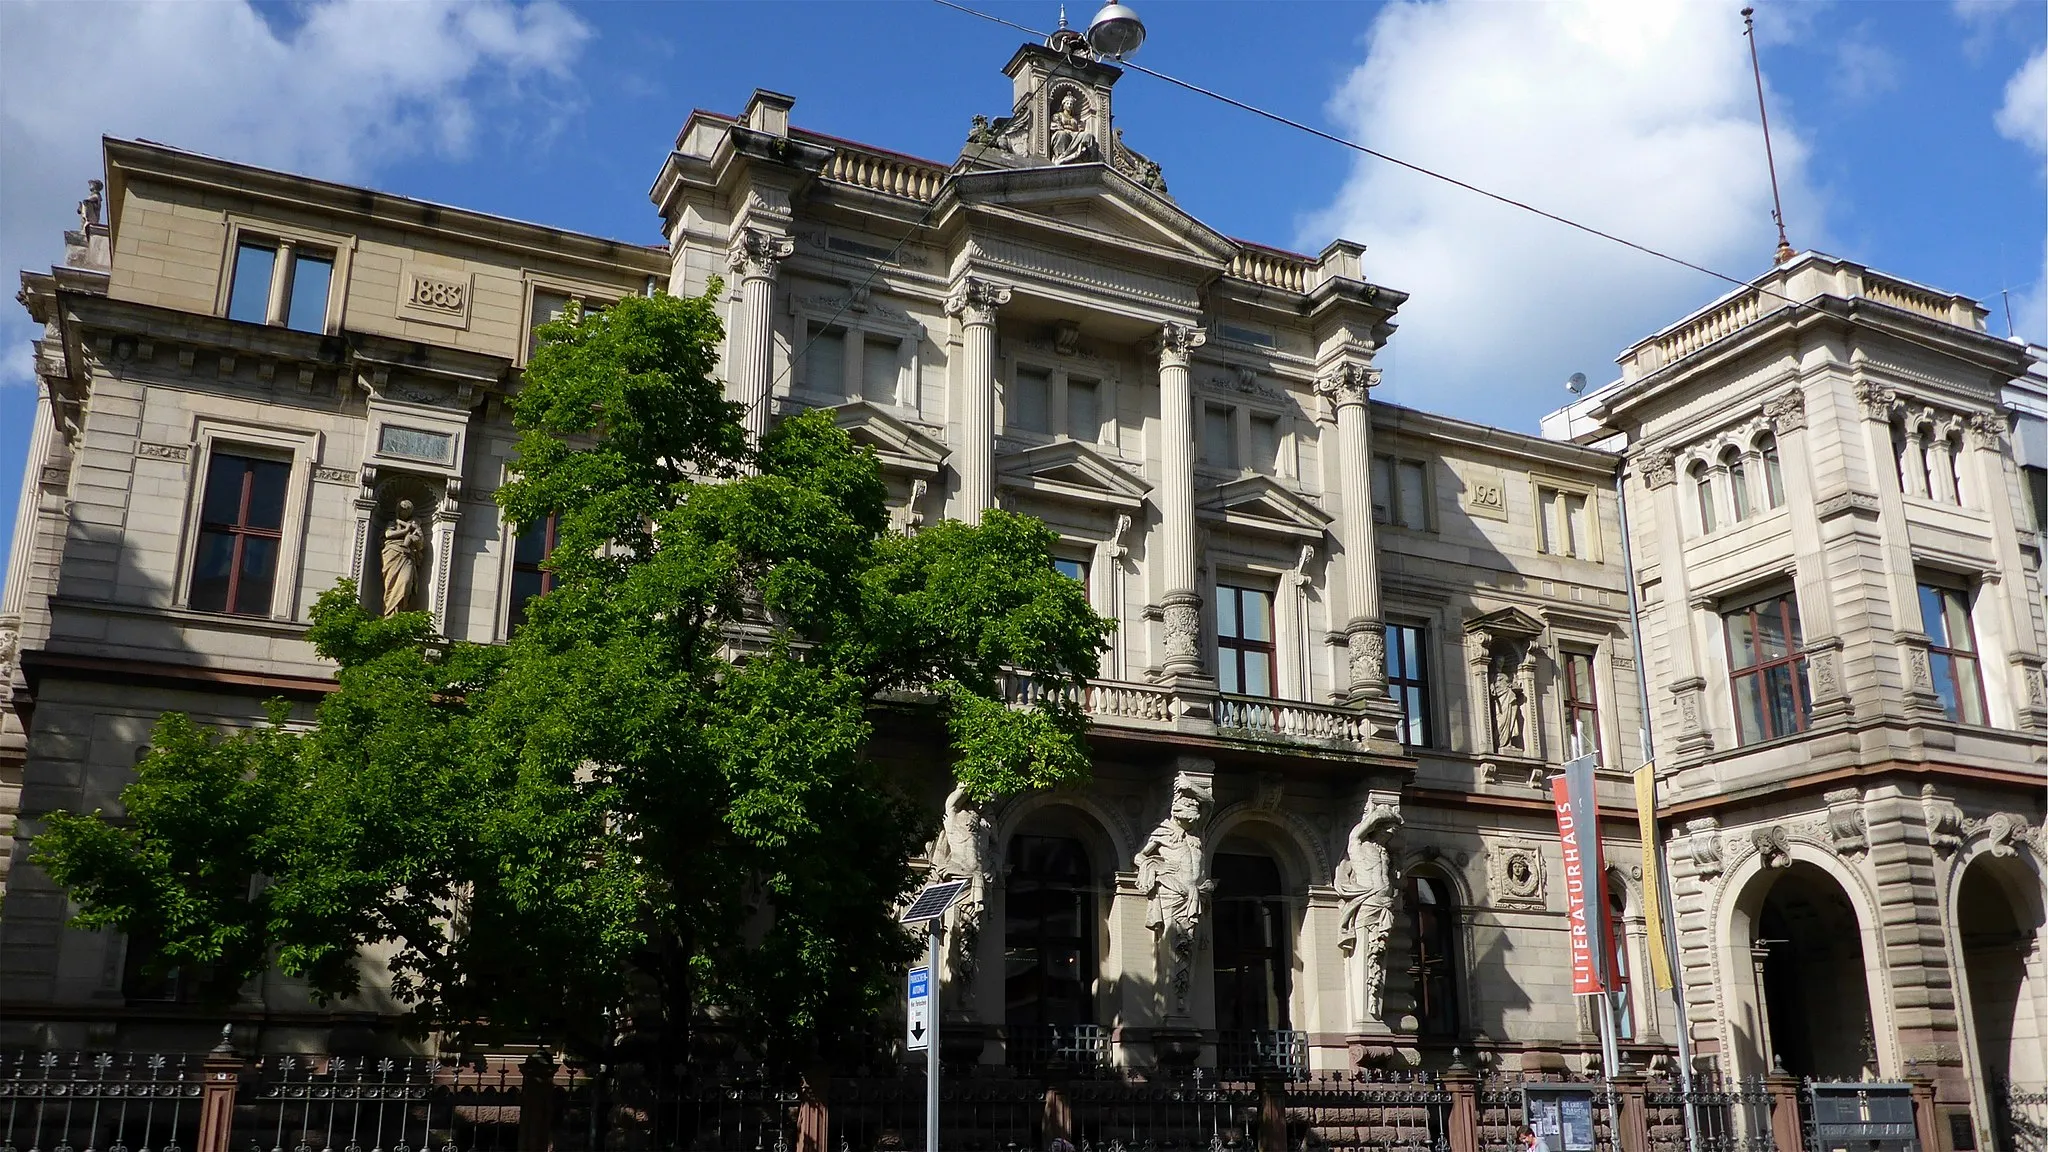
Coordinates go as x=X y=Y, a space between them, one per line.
x=1063 y=16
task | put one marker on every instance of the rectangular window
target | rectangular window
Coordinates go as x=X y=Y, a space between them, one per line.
x=1075 y=570
x=1084 y=410
x=2035 y=478
x=1952 y=657
x=1266 y=443
x=1244 y=640
x=1219 y=437
x=530 y=577
x=1400 y=492
x=1581 y=705
x=241 y=529
x=878 y=369
x=306 y=305
x=825 y=361
x=1767 y=670
x=1408 y=682
x=1030 y=407
x=1563 y=523
x=249 y=293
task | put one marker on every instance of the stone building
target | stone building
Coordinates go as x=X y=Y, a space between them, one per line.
x=1355 y=641
x=1835 y=489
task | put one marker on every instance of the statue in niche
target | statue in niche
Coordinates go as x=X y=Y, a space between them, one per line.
x=403 y=542
x=1170 y=876
x=1508 y=698
x=1072 y=141
x=1365 y=883
x=963 y=850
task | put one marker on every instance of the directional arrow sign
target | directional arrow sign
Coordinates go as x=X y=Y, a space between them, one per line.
x=919 y=1010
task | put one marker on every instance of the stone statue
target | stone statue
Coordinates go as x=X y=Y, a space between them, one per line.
x=1072 y=141
x=963 y=850
x=1508 y=699
x=1365 y=883
x=1170 y=876
x=403 y=543
x=89 y=208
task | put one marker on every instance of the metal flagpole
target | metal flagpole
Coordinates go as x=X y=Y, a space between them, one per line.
x=1670 y=942
x=931 y=1054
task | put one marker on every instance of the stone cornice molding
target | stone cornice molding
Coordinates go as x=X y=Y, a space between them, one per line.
x=974 y=300
x=1347 y=383
x=1177 y=342
x=756 y=254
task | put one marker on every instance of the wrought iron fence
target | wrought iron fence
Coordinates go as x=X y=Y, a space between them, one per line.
x=89 y=1102
x=1077 y=1049
x=2019 y=1116
x=1347 y=1111
x=1168 y=1114
x=1730 y=1115
x=1279 y=1052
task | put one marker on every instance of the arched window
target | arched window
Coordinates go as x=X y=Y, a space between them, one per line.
x=1617 y=944
x=1433 y=925
x=1774 y=472
x=1703 y=490
x=1738 y=481
x=1049 y=931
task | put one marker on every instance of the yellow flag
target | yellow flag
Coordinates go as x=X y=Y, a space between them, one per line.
x=1653 y=887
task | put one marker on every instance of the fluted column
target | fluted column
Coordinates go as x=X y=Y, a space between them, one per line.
x=974 y=302
x=753 y=258
x=1347 y=386
x=1182 y=602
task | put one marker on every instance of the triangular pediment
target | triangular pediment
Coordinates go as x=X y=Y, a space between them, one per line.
x=1509 y=621
x=1093 y=199
x=902 y=447
x=1074 y=472
x=1263 y=505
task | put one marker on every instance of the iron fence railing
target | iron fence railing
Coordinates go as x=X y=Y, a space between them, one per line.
x=1359 y=1111
x=2019 y=1116
x=98 y=1102
x=1271 y=1052
x=1075 y=1049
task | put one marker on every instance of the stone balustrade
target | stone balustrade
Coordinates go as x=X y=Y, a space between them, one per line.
x=1271 y=267
x=1289 y=720
x=888 y=174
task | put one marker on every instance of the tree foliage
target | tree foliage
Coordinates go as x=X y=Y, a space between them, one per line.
x=656 y=801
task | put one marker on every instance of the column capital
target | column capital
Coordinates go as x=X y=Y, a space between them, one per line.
x=1787 y=413
x=1176 y=343
x=1987 y=429
x=1879 y=402
x=1659 y=468
x=974 y=300
x=1347 y=383
x=756 y=254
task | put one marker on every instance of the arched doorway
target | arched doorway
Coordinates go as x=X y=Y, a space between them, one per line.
x=1253 y=959
x=1052 y=943
x=1806 y=950
x=1433 y=932
x=1998 y=920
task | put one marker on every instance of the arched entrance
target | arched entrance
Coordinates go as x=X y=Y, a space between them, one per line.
x=1998 y=919
x=1054 y=935
x=1806 y=952
x=1252 y=960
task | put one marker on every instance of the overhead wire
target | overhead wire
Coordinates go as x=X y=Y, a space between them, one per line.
x=1432 y=173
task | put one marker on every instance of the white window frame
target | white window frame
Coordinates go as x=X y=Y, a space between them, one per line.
x=286 y=241
x=211 y=435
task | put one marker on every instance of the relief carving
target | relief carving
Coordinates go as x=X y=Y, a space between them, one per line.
x=2004 y=831
x=1659 y=468
x=1183 y=632
x=1170 y=875
x=1878 y=401
x=1845 y=826
x=1703 y=840
x=1987 y=429
x=1368 y=653
x=1773 y=845
x=1786 y=413
x=1365 y=883
x=1944 y=821
x=1514 y=874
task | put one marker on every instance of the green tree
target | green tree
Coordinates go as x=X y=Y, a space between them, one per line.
x=656 y=801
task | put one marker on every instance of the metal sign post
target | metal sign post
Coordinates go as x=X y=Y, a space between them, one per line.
x=921 y=1017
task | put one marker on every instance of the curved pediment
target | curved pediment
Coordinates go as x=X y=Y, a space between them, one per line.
x=1264 y=506
x=1074 y=472
x=903 y=448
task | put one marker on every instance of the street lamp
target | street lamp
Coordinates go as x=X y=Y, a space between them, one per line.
x=1116 y=31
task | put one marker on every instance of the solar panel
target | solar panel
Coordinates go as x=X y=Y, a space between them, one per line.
x=933 y=901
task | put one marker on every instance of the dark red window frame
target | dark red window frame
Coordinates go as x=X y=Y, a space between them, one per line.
x=241 y=531
x=1581 y=700
x=1751 y=665
x=526 y=564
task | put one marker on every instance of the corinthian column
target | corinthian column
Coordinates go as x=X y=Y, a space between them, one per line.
x=1347 y=385
x=753 y=258
x=1176 y=345
x=974 y=302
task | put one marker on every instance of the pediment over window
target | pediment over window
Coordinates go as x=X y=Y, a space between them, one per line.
x=1263 y=505
x=1512 y=623
x=1071 y=471
x=904 y=449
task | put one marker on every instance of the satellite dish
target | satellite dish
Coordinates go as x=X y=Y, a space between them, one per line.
x=1116 y=31
x=1576 y=384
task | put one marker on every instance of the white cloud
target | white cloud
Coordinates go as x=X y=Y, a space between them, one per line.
x=2023 y=118
x=349 y=86
x=1636 y=119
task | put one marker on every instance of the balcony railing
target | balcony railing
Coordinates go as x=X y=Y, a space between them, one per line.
x=1281 y=1052
x=1072 y=1048
x=1122 y=704
x=1289 y=720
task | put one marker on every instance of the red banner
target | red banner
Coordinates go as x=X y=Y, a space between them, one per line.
x=1578 y=831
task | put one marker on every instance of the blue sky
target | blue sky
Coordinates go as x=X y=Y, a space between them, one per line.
x=1910 y=137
